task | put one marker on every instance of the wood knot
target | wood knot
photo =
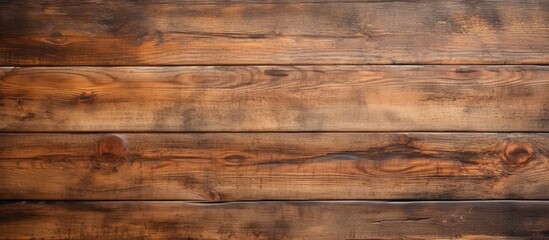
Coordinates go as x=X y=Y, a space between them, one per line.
x=85 y=98
x=276 y=72
x=404 y=139
x=235 y=158
x=112 y=148
x=517 y=153
x=56 y=38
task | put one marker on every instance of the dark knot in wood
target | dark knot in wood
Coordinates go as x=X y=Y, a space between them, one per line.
x=235 y=158
x=517 y=153
x=404 y=139
x=86 y=98
x=56 y=38
x=276 y=72
x=112 y=148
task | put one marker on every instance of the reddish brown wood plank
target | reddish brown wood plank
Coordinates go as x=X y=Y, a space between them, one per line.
x=270 y=98
x=275 y=220
x=62 y=32
x=259 y=166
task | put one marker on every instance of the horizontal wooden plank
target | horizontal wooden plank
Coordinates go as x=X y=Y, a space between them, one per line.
x=170 y=32
x=269 y=98
x=280 y=166
x=275 y=220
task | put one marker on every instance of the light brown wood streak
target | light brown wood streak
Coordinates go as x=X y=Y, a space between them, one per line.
x=269 y=98
x=259 y=166
x=275 y=220
x=62 y=32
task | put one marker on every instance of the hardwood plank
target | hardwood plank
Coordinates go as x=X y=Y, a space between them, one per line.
x=169 y=32
x=275 y=220
x=274 y=166
x=269 y=98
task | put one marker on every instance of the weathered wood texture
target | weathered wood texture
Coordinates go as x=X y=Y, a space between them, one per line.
x=268 y=98
x=62 y=32
x=267 y=166
x=275 y=220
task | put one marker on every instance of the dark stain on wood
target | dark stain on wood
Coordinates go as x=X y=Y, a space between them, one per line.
x=28 y=117
x=281 y=33
x=278 y=220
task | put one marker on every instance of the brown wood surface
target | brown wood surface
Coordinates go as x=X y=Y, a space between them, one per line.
x=275 y=119
x=275 y=98
x=267 y=166
x=275 y=220
x=101 y=32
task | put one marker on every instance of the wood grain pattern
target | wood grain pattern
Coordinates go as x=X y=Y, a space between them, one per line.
x=100 y=32
x=267 y=166
x=275 y=119
x=275 y=220
x=269 y=98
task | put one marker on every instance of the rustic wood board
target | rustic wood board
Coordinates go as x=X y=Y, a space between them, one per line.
x=275 y=98
x=275 y=220
x=275 y=119
x=101 y=32
x=259 y=166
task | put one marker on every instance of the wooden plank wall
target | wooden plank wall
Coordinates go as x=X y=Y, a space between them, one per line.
x=244 y=119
